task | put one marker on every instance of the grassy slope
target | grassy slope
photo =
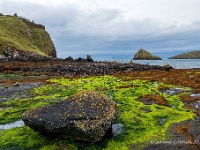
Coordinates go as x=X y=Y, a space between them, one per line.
x=189 y=55
x=14 y=33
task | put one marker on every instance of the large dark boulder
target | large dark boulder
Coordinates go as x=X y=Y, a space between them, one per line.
x=85 y=116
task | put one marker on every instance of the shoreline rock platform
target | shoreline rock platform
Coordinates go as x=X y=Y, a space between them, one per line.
x=57 y=67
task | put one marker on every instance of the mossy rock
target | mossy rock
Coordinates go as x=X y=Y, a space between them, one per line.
x=85 y=116
x=145 y=55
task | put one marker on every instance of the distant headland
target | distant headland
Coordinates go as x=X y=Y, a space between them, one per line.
x=188 y=55
x=22 y=39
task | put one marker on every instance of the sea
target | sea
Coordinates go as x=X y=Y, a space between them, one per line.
x=126 y=58
x=175 y=63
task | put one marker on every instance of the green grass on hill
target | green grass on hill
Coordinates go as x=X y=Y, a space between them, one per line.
x=189 y=55
x=15 y=33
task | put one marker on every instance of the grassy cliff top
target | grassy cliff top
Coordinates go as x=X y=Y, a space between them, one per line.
x=23 y=35
x=189 y=55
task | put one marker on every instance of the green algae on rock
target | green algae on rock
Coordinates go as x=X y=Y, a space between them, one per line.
x=85 y=116
x=142 y=123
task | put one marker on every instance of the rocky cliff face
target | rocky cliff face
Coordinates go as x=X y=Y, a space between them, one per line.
x=14 y=54
x=23 y=39
x=189 y=55
x=145 y=55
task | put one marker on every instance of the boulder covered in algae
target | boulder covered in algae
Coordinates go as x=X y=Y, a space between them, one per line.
x=85 y=116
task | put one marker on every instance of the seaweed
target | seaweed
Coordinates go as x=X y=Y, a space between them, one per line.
x=142 y=122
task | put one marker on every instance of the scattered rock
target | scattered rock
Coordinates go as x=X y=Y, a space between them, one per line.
x=71 y=68
x=85 y=116
x=89 y=58
x=167 y=67
x=69 y=58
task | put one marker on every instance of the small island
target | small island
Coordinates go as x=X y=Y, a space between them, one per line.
x=145 y=55
x=188 y=55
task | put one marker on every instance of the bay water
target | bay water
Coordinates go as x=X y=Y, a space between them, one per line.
x=175 y=63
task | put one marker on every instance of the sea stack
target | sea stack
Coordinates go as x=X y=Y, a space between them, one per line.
x=145 y=55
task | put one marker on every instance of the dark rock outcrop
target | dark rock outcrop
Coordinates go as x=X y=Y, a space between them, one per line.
x=145 y=55
x=54 y=67
x=89 y=58
x=13 y=54
x=69 y=59
x=85 y=116
x=167 y=67
x=189 y=55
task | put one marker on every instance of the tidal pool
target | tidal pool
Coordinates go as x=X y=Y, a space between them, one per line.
x=15 y=124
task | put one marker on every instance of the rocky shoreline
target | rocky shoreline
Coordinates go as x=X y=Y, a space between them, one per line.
x=22 y=76
x=79 y=67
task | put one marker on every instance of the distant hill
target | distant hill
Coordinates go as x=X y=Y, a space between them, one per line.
x=21 y=38
x=145 y=55
x=189 y=55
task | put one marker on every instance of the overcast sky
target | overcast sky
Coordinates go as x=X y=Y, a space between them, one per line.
x=120 y=27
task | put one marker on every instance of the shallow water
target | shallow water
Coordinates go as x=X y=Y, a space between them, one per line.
x=174 y=91
x=17 y=91
x=15 y=124
x=195 y=95
x=117 y=128
x=175 y=63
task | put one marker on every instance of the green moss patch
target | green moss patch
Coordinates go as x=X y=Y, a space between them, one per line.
x=142 y=122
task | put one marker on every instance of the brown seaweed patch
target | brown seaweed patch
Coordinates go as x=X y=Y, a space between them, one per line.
x=154 y=98
x=185 y=131
x=191 y=102
x=163 y=88
x=188 y=99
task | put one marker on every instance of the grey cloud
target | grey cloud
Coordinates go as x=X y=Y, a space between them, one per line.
x=75 y=30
